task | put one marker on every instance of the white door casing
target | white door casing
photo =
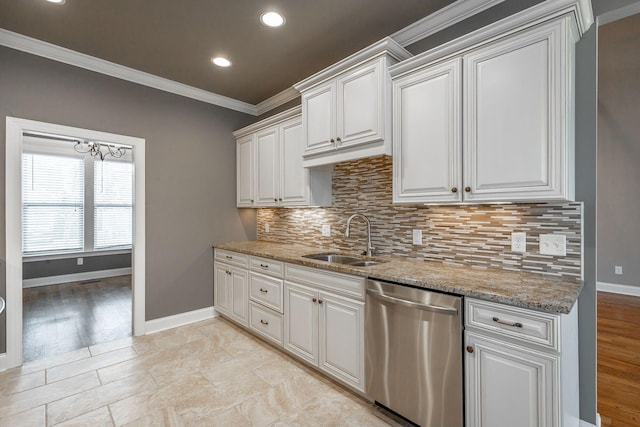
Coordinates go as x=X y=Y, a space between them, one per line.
x=15 y=128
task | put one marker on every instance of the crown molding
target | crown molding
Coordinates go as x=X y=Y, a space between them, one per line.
x=276 y=100
x=271 y=120
x=386 y=46
x=579 y=11
x=81 y=60
x=441 y=19
x=617 y=14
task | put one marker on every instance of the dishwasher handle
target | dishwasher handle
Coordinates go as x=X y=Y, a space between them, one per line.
x=411 y=304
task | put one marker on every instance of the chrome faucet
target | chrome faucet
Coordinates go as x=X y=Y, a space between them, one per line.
x=370 y=248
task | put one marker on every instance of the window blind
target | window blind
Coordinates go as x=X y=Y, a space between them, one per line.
x=113 y=204
x=52 y=203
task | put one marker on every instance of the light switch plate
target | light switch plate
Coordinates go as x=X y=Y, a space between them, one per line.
x=417 y=237
x=326 y=230
x=553 y=244
x=519 y=242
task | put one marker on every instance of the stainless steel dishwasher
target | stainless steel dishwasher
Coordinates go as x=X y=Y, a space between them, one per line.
x=413 y=353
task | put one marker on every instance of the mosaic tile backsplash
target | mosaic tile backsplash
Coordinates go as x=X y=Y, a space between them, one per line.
x=471 y=235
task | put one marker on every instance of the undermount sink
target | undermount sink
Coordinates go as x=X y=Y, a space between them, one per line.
x=341 y=259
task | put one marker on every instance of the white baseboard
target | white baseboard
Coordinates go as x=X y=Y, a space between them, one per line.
x=76 y=277
x=181 y=319
x=618 y=289
x=3 y=362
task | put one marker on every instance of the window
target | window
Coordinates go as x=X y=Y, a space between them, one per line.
x=113 y=204
x=73 y=203
x=53 y=203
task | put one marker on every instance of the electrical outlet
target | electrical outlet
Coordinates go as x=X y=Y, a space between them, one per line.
x=417 y=237
x=519 y=242
x=326 y=230
x=80 y=261
x=618 y=269
x=553 y=244
x=267 y=228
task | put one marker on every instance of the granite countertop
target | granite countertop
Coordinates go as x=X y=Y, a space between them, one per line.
x=527 y=290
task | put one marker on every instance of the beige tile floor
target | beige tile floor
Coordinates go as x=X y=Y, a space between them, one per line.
x=210 y=373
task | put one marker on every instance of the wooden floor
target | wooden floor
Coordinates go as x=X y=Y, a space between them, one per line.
x=618 y=359
x=70 y=316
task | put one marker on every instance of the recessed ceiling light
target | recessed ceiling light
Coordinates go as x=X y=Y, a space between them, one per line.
x=272 y=19
x=56 y=1
x=221 y=62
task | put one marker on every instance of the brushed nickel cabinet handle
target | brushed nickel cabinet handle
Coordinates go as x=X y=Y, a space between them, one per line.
x=469 y=349
x=264 y=322
x=502 y=322
x=264 y=291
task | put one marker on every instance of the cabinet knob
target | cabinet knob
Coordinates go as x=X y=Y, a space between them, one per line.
x=333 y=140
x=454 y=190
x=320 y=301
x=467 y=189
x=275 y=200
x=313 y=299
x=251 y=200
x=469 y=349
x=279 y=199
x=338 y=139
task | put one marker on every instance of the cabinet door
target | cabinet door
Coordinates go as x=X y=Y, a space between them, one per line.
x=342 y=339
x=515 y=97
x=267 y=167
x=239 y=285
x=301 y=321
x=360 y=105
x=244 y=172
x=294 y=179
x=509 y=385
x=221 y=288
x=319 y=119
x=426 y=153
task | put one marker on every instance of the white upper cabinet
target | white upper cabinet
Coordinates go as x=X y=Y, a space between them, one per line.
x=270 y=171
x=267 y=167
x=493 y=123
x=245 y=171
x=518 y=110
x=346 y=107
x=426 y=154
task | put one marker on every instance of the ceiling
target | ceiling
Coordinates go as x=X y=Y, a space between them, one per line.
x=177 y=39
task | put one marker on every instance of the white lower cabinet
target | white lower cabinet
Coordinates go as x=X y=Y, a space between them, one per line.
x=326 y=330
x=521 y=367
x=231 y=292
x=509 y=385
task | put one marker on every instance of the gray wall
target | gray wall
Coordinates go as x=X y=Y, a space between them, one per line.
x=619 y=151
x=57 y=267
x=190 y=168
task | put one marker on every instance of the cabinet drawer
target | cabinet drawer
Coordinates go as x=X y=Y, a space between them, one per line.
x=521 y=324
x=235 y=258
x=337 y=282
x=266 y=266
x=265 y=322
x=266 y=290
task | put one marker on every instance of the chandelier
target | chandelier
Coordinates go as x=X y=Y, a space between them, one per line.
x=100 y=150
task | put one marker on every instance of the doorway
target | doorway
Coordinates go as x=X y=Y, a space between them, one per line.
x=16 y=129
